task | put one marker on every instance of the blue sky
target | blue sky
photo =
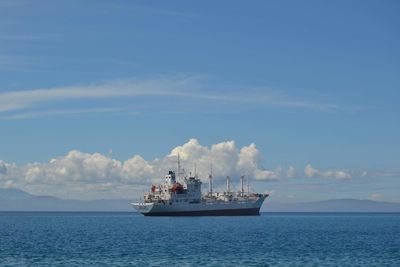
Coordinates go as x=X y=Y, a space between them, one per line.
x=310 y=82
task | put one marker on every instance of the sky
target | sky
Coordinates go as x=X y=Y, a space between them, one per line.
x=97 y=98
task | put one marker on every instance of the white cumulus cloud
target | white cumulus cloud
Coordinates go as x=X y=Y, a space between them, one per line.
x=90 y=175
x=78 y=172
x=339 y=174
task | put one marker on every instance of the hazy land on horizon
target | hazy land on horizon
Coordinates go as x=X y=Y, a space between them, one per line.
x=18 y=200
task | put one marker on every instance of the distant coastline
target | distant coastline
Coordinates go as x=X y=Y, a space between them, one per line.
x=334 y=205
x=18 y=200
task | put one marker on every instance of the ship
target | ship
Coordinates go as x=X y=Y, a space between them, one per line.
x=185 y=198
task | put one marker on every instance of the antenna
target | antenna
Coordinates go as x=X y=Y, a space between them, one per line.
x=195 y=170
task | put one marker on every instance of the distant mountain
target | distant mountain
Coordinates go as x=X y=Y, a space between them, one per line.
x=333 y=205
x=13 y=193
x=18 y=200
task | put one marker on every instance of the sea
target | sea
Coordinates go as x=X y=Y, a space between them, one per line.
x=130 y=239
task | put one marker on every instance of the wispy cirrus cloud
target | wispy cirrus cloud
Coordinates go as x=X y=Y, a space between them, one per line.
x=185 y=88
x=64 y=112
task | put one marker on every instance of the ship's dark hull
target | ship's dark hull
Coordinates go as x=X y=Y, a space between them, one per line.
x=225 y=212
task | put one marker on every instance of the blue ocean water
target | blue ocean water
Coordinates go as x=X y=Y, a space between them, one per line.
x=129 y=239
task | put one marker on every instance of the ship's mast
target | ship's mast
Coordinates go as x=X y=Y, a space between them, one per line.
x=228 y=184
x=179 y=167
x=210 y=185
x=210 y=182
x=241 y=183
x=248 y=186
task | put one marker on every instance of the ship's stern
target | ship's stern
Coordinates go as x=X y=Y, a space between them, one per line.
x=142 y=207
